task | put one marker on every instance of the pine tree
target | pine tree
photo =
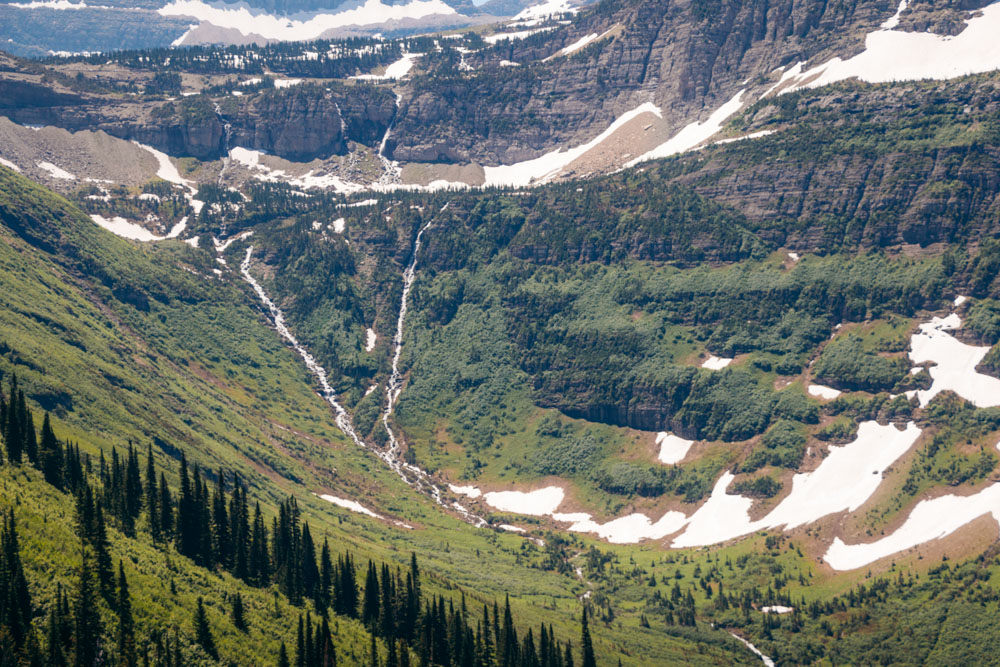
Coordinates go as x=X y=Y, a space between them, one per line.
x=238 y=615
x=585 y=644
x=55 y=657
x=15 y=599
x=325 y=588
x=283 y=656
x=166 y=507
x=50 y=455
x=220 y=524
x=102 y=555
x=568 y=655
x=308 y=572
x=87 y=618
x=370 y=606
x=203 y=632
x=13 y=437
x=373 y=653
x=132 y=486
x=127 y=656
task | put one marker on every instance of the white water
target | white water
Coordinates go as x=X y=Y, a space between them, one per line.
x=410 y=474
x=390 y=168
x=766 y=660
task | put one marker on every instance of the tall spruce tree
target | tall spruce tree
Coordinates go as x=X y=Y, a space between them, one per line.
x=203 y=631
x=88 y=631
x=587 y=648
x=127 y=654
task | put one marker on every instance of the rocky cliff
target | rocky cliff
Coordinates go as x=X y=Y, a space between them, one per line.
x=686 y=56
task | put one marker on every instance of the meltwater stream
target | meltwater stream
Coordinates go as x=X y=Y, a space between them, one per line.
x=409 y=473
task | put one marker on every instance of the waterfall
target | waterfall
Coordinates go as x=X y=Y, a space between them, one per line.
x=410 y=474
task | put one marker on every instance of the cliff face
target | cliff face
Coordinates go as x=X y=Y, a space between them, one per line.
x=297 y=123
x=686 y=56
x=303 y=123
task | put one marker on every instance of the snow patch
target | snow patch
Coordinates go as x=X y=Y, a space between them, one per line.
x=304 y=26
x=820 y=391
x=10 y=165
x=673 y=448
x=56 y=172
x=370 y=339
x=351 y=505
x=469 y=491
x=956 y=363
x=716 y=363
x=544 y=168
x=533 y=503
x=694 y=134
x=929 y=520
x=892 y=55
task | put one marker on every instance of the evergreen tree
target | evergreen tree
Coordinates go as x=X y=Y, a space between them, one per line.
x=325 y=588
x=127 y=656
x=13 y=437
x=15 y=599
x=283 y=656
x=55 y=657
x=132 y=486
x=166 y=506
x=87 y=618
x=585 y=644
x=220 y=524
x=102 y=555
x=50 y=455
x=370 y=605
x=238 y=615
x=568 y=655
x=203 y=632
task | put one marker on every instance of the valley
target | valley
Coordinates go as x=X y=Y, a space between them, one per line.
x=674 y=320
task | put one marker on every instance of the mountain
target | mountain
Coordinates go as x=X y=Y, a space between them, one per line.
x=43 y=28
x=680 y=319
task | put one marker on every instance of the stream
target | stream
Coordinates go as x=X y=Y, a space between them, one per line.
x=411 y=474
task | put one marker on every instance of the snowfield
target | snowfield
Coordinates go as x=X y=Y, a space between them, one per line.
x=56 y=172
x=694 y=134
x=351 y=505
x=716 y=363
x=544 y=168
x=820 y=391
x=929 y=520
x=301 y=27
x=533 y=503
x=955 y=364
x=844 y=481
x=673 y=448
x=892 y=55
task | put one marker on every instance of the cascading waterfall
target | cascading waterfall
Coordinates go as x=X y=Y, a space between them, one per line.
x=390 y=173
x=227 y=130
x=409 y=473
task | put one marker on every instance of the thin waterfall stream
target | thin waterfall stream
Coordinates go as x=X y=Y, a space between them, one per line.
x=411 y=474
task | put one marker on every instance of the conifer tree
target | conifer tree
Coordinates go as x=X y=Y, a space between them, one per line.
x=127 y=655
x=50 y=455
x=203 y=631
x=283 y=656
x=152 y=496
x=166 y=507
x=13 y=437
x=238 y=615
x=87 y=618
x=102 y=555
x=15 y=599
x=370 y=605
x=586 y=646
